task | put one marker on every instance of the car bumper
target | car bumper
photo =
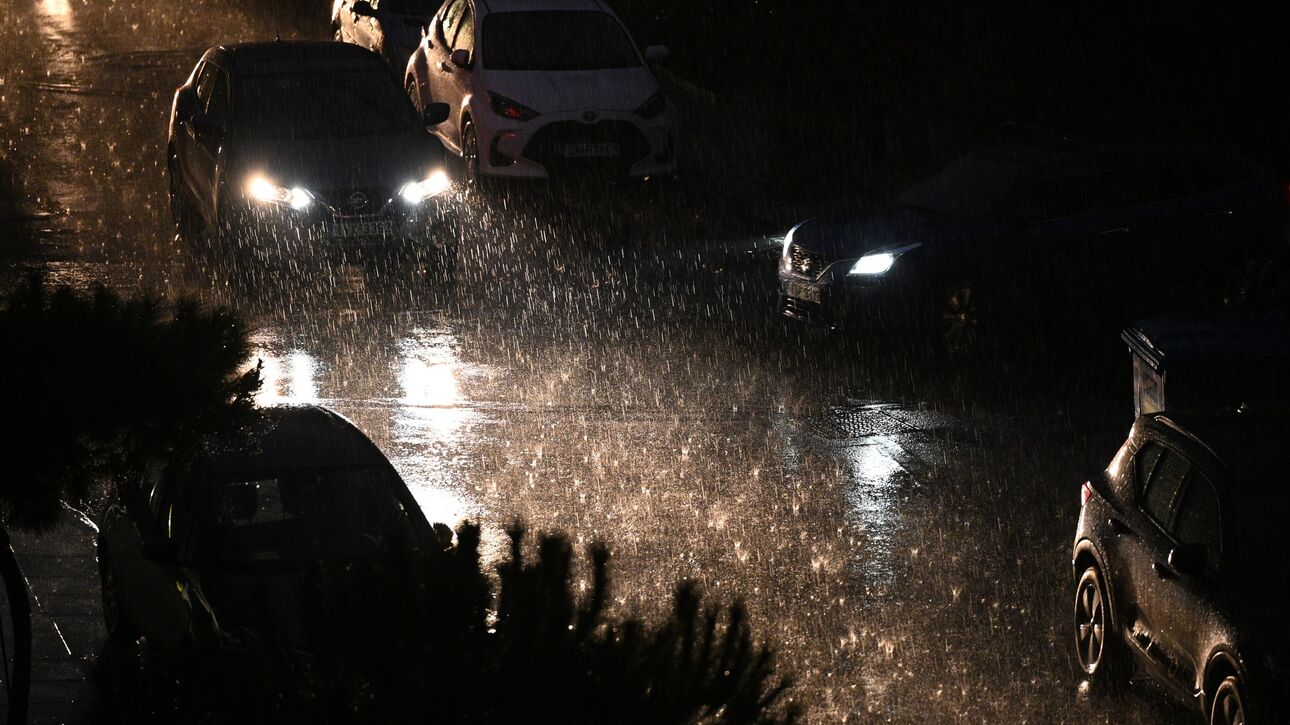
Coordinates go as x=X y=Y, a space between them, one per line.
x=838 y=301
x=320 y=228
x=566 y=145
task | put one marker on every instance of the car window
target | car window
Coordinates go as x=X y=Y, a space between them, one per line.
x=206 y=83
x=1198 y=518
x=315 y=105
x=448 y=26
x=1162 y=488
x=973 y=185
x=465 y=39
x=1143 y=463
x=218 y=107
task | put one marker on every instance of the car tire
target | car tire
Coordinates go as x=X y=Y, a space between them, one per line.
x=470 y=159
x=958 y=318
x=115 y=620
x=1097 y=646
x=1228 y=704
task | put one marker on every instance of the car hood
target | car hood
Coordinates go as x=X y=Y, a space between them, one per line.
x=618 y=89
x=850 y=233
x=377 y=161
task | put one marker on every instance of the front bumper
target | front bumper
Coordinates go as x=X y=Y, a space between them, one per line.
x=390 y=223
x=541 y=148
x=842 y=302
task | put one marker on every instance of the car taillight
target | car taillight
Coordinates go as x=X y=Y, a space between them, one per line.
x=1085 y=493
x=506 y=108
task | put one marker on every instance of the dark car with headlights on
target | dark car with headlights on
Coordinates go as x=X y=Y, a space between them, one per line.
x=203 y=558
x=1031 y=223
x=1182 y=565
x=288 y=149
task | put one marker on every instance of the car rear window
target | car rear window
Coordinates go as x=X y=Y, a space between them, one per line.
x=554 y=40
x=318 y=105
x=302 y=514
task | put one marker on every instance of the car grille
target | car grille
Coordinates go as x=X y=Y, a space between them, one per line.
x=807 y=263
x=346 y=202
x=547 y=146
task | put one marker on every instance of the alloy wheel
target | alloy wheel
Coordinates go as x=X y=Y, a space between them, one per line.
x=960 y=319
x=470 y=155
x=1090 y=622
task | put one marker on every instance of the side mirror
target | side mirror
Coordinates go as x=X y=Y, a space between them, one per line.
x=657 y=53
x=1187 y=558
x=207 y=127
x=363 y=8
x=460 y=58
x=434 y=113
x=161 y=552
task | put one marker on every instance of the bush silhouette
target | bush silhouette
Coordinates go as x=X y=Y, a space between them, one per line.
x=416 y=637
x=95 y=384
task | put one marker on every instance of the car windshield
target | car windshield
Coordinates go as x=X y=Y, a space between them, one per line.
x=315 y=105
x=972 y=185
x=303 y=514
x=556 y=40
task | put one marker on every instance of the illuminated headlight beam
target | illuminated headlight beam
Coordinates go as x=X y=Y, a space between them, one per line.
x=415 y=192
x=264 y=191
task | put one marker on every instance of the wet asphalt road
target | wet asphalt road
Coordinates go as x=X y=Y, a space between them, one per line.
x=610 y=366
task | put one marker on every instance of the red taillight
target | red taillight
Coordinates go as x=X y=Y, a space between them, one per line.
x=1085 y=493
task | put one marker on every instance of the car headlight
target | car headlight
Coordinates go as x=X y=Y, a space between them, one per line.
x=415 y=192
x=514 y=110
x=878 y=263
x=264 y=191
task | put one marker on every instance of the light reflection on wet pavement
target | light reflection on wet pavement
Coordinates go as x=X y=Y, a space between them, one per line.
x=906 y=547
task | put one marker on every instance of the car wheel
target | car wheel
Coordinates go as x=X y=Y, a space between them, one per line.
x=118 y=624
x=1228 y=707
x=959 y=318
x=413 y=95
x=1096 y=645
x=470 y=158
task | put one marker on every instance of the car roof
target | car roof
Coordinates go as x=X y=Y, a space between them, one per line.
x=1041 y=145
x=1250 y=445
x=306 y=436
x=273 y=57
x=511 y=6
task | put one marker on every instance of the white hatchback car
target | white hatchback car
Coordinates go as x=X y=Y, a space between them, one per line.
x=543 y=88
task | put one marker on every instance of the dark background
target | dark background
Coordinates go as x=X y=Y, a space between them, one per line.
x=866 y=93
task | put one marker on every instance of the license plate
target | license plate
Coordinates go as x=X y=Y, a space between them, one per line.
x=590 y=150
x=372 y=228
x=803 y=291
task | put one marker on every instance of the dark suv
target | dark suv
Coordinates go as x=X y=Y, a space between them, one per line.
x=1181 y=563
x=290 y=148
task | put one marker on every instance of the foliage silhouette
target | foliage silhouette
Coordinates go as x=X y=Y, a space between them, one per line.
x=415 y=636
x=96 y=384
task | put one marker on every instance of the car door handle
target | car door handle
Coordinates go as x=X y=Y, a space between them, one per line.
x=444 y=67
x=1116 y=230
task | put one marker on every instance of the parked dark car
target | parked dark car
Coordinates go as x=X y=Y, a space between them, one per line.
x=292 y=148
x=1030 y=223
x=225 y=554
x=1181 y=563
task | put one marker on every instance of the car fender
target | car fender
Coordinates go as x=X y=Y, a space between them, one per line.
x=1224 y=656
x=418 y=72
x=1086 y=547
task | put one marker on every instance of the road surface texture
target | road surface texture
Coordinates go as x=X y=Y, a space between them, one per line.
x=609 y=365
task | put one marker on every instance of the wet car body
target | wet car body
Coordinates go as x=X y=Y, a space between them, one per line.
x=225 y=556
x=390 y=28
x=1179 y=562
x=1027 y=225
x=523 y=106
x=335 y=172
